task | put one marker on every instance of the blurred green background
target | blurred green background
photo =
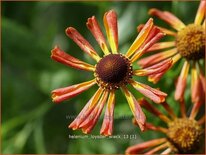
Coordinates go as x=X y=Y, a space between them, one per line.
x=31 y=123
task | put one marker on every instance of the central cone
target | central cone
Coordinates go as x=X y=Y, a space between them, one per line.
x=112 y=68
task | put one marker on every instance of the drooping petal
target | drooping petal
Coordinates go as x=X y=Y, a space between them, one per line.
x=82 y=43
x=88 y=124
x=162 y=45
x=142 y=147
x=107 y=125
x=135 y=108
x=150 y=60
x=154 y=69
x=60 y=56
x=88 y=108
x=144 y=49
x=168 y=17
x=94 y=27
x=200 y=13
x=153 y=94
x=149 y=107
x=110 y=24
x=181 y=81
x=61 y=94
x=197 y=90
x=140 y=38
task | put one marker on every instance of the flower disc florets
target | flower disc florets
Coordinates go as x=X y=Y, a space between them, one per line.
x=112 y=71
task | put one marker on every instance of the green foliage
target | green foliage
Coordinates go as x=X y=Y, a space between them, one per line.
x=31 y=123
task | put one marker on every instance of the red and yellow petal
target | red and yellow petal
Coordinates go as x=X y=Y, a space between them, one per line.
x=200 y=13
x=142 y=147
x=140 y=38
x=156 y=128
x=181 y=81
x=135 y=108
x=162 y=45
x=94 y=27
x=88 y=108
x=110 y=24
x=88 y=124
x=107 y=125
x=150 y=60
x=153 y=94
x=61 y=94
x=82 y=43
x=60 y=56
x=168 y=17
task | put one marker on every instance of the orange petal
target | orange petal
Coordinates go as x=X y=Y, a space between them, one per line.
x=107 y=125
x=82 y=42
x=168 y=17
x=158 y=148
x=60 y=56
x=164 y=30
x=88 y=108
x=135 y=108
x=162 y=45
x=94 y=27
x=181 y=81
x=142 y=147
x=140 y=38
x=156 y=128
x=110 y=24
x=149 y=107
x=153 y=94
x=200 y=13
x=197 y=89
x=88 y=124
x=169 y=110
x=61 y=94
x=154 y=69
x=145 y=48
x=155 y=58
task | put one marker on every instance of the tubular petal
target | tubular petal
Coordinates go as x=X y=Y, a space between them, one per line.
x=135 y=108
x=107 y=125
x=153 y=94
x=181 y=81
x=158 y=148
x=60 y=56
x=150 y=60
x=82 y=42
x=140 y=38
x=110 y=24
x=162 y=45
x=168 y=17
x=144 y=49
x=169 y=110
x=156 y=128
x=93 y=26
x=140 y=148
x=200 y=13
x=88 y=108
x=88 y=124
x=61 y=94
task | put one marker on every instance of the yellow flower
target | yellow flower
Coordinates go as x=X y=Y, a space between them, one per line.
x=188 y=44
x=111 y=72
x=183 y=134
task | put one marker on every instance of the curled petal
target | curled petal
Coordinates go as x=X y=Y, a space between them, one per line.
x=107 y=125
x=142 y=147
x=181 y=81
x=154 y=69
x=88 y=124
x=94 y=27
x=135 y=108
x=110 y=24
x=150 y=60
x=61 y=94
x=162 y=45
x=168 y=17
x=82 y=42
x=88 y=108
x=154 y=78
x=200 y=13
x=140 y=38
x=153 y=94
x=60 y=56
